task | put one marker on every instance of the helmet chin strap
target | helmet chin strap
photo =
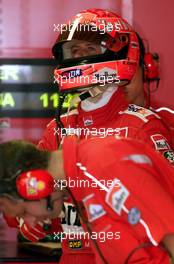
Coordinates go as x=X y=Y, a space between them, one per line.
x=91 y=93
x=89 y=105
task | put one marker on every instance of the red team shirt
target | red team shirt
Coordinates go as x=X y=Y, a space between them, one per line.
x=139 y=204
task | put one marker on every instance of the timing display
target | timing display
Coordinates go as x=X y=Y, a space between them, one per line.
x=32 y=101
x=28 y=88
x=26 y=74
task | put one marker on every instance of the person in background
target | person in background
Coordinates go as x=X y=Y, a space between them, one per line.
x=138 y=91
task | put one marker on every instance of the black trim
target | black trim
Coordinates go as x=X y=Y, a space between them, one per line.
x=28 y=88
x=28 y=61
x=27 y=113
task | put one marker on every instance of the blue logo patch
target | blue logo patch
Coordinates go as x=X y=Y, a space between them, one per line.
x=134 y=216
x=72 y=73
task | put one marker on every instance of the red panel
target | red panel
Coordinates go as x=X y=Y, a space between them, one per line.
x=22 y=128
x=27 y=27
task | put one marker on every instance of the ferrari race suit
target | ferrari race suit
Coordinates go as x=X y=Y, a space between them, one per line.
x=116 y=118
x=123 y=190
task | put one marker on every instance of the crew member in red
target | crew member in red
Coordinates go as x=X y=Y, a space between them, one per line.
x=97 y=56
x=138 y=91
x=122 y=190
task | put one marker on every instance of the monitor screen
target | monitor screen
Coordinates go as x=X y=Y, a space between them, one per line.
x=28 y=98
x=26 y=74
x=28 y=88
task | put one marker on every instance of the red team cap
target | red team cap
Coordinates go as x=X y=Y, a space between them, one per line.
x=116 y=61
x=35 y=184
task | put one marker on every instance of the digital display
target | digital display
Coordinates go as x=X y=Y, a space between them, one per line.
x=27 y=71
x=31 y=101
x=26 y=74
x=28 y=88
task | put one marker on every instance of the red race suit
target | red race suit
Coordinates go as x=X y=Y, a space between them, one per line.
x=116 y=118
x=124 y=192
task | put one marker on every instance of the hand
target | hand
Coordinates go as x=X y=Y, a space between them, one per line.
x=33 y=233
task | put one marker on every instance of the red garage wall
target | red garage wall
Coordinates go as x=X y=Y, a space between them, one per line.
x=27 y=26
x=26 y=29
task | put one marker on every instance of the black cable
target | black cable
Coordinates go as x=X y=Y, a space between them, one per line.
x=79 y=211
x=59 y=124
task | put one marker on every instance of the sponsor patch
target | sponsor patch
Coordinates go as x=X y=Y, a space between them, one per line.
x=93 y=208
x=139 y=112
x=160 y=142
x=75 y=244
x=106 y=74
x=169 y=155
x=71 y=73
x=138 y=109
x=87 y=120
x=134 y=216
x=117 y=196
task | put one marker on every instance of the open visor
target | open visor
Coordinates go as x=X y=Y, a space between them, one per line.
x=84 y=40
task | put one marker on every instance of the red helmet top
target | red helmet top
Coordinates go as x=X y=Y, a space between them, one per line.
x=114 y=57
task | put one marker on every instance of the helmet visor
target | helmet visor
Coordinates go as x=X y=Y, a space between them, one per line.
x=73 y=44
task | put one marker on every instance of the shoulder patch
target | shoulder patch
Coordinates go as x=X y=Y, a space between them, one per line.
x=160 y=142
x=140 y=112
